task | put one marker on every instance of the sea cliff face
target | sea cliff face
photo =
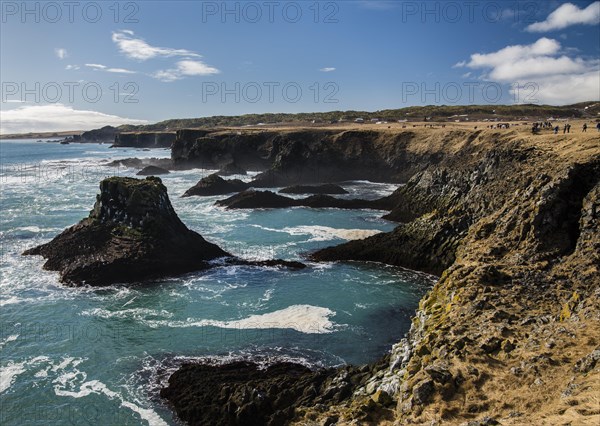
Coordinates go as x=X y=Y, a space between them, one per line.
x=290 y=157
x=144 y=139
x=510 y=221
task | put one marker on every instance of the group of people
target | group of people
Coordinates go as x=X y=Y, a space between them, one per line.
x=536 y=127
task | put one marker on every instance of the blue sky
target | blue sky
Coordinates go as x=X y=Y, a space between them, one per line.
x=72 y=68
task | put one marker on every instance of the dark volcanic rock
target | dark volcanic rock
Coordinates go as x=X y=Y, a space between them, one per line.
x=231 y=169
x=241 y=393
x=132 y=234
x=327 y=188
x=252 y=199
x=215 y=185
x=152 y=171
x=144 y=140
x=140 y=163
x=105 y=134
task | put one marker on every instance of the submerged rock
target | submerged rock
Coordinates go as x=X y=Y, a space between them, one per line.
x=215 y=185
x=152 y=171
x=132 y=234
x=327 y=188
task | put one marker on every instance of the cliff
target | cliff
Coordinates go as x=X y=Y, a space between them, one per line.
x=508 y=220
x=509 y=332
x=301 y=156
x=144 y=140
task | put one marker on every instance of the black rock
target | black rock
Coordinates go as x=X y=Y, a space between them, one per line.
x=327 y=188
x=152 y=171
x=215 y=185
x=132 y=234
x=231 y=169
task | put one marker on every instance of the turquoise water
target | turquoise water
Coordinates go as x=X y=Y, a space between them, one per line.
x=98 y=356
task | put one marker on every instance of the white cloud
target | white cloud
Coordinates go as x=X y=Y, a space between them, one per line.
x=60 y=53
x=56 y=118
x=189 y=67
x=327 y=69
x=107 y=69
x=566 y=15
x=120 y=71
x=185 y=68
x=137 y=48
x=72 y=67
x=557 y=77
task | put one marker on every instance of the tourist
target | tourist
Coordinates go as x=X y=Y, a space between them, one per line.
x=584 y=127
x=556 y=130
x=598 y=126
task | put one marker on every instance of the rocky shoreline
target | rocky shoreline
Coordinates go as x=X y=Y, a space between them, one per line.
x=510 y=223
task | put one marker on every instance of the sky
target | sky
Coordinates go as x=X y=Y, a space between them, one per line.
x=81 y=65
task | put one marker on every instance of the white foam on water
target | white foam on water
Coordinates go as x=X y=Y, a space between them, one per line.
x=10 y=338
x=9 y=373
x=12 y=370
x=303 y=318
x=136 y=313
x=325 y=233
x=73 y=384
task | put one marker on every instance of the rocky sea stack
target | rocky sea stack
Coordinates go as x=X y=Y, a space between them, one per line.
x=131 y=234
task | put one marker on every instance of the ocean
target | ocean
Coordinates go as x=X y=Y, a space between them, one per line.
x=82 y=356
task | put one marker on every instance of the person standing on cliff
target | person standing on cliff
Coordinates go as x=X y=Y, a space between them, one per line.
x=565 y=129
x=598 y=126
x=584 y=127
x=568 y=128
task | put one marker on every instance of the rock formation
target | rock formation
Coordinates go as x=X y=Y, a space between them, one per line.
x=131 y=235
x=327 y=188
x=144 y=139
x=252 y=199
x=231 y=169
x=215 y=185
x=152 y=171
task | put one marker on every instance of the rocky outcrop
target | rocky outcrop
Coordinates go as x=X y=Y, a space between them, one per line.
x=243 y=393
x=231 y=169
x=152 y=171
x=144 y=140
x=327 y=188
x=140 y=163
x=252 y=199
x=105 y=134
x=511 y=224
x=215 y=185
x=131 y=235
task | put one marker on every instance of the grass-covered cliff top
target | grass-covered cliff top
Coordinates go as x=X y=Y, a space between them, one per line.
x=589 y=110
